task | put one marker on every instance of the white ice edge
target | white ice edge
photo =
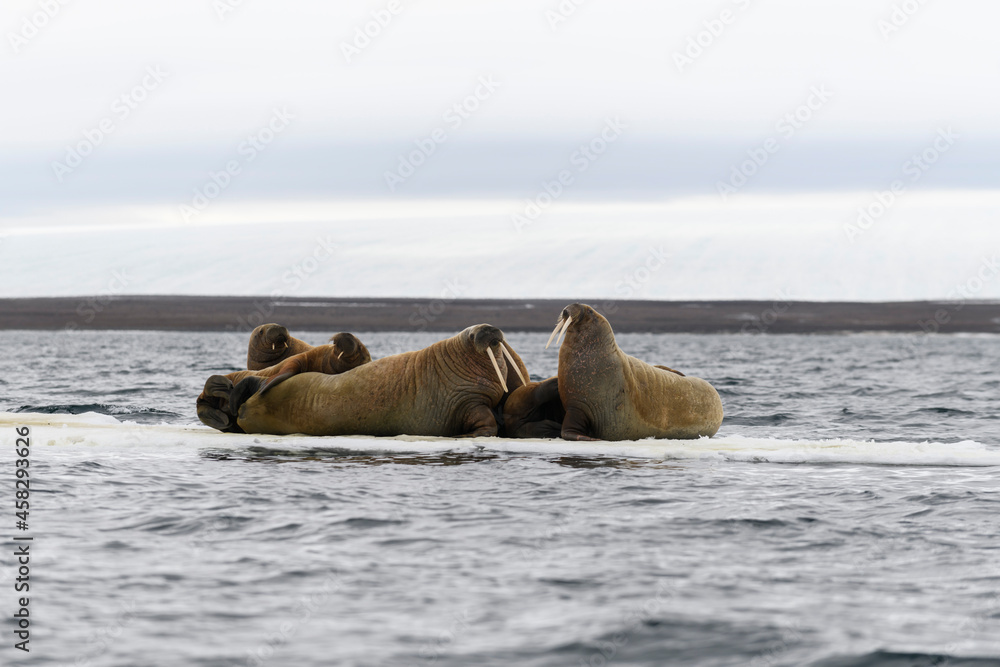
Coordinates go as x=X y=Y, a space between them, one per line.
x=99 y=430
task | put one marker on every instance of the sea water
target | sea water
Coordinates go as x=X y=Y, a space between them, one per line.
x=846 y=514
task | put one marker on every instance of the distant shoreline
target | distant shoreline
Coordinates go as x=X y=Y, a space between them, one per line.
x=219 y=313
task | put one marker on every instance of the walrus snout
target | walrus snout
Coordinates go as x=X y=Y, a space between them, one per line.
x=485 y=336
x=350 y=348
x=275 y=336
x=346 y=344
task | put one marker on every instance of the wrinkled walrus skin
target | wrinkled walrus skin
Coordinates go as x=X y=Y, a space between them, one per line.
x=447 y=389
x=343 y=353
x=609 y=395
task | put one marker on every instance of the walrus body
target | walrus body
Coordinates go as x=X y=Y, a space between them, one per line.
x=534 y=410
x=344 y=352
x=447 y=389
x=271 y=344
x=609 y=395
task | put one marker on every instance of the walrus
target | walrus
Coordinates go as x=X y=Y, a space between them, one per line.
x=447 y=389
x=271 y=344
x=534 y=410
x=343 y=353
x=609 y=395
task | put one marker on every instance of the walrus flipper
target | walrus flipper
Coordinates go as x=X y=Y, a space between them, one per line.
x=271 y=381
x=213 y=405
x=545 y=428
x=480 y=422
x=242 y=392
x=576 y=426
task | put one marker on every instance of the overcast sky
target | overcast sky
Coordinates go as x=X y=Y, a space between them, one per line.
x=695 y=86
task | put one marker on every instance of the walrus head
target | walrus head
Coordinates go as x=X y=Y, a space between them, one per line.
x=268 y=343
x=271 y=344
x=581 y=317
x=350 y=352
x=488 y=340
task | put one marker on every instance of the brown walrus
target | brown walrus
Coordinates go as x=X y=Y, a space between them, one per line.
x=534 y=410
x=271 y=344
x=343 y=353
x=609 y=395
x=447 y=389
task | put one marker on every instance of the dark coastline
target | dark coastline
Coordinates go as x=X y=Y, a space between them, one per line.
x=211 y=313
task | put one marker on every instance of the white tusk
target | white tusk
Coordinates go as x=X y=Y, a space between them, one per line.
x=493 y=358
x=510 y=358
x=340 y=354
x=272 y=347
x=565 y=326
x=553 y=335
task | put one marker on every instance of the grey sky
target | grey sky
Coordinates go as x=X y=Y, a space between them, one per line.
x=222 y=77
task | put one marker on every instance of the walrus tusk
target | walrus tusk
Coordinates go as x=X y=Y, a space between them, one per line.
x=510 y=358
x=272 y=347
x=553 y=334
x=565 y=326
x=493 y=358
x=340 y=354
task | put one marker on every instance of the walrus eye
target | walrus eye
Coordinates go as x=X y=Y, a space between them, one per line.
x=496 y=367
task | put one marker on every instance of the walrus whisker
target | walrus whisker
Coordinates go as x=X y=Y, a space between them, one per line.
x=510 y=358
x=553 y=334
x=565 y=326
x=496 y=367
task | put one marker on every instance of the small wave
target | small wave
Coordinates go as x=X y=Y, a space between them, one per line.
x=134 y=411
x=893 y=659
x=758 y=420
x=945 y=411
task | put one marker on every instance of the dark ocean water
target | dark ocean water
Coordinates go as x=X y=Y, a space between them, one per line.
x=150 y=549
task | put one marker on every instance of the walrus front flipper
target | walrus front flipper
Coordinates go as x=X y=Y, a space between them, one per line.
x=242 y=392
x=291 y=366
x=667 y=368
x=540 y=429
x=480 y=422
x=576 y=426
x=213 y=405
